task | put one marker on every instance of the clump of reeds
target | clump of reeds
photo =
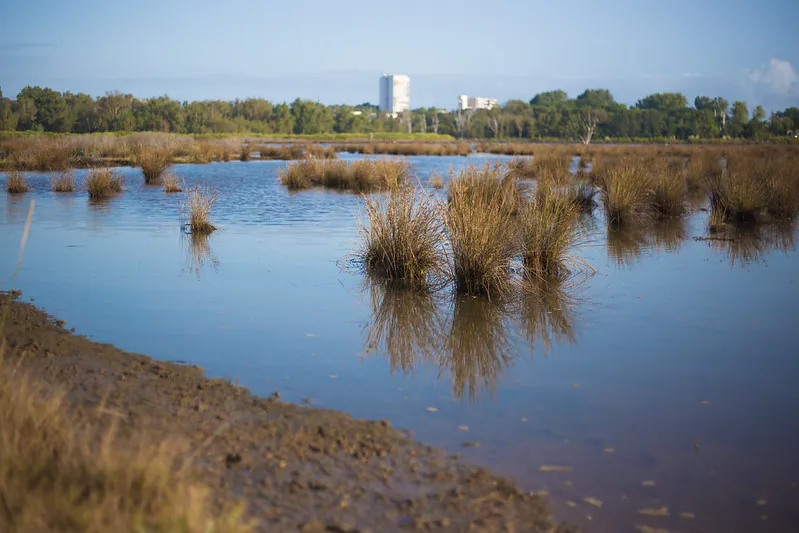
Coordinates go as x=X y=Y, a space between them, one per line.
x=102 y=182
x=153 y=162
x=737 y=194
x=482 y=229
x=245 y=152
x=582 y=194
x=668 y=189
x=171 y=183
x=199 y=203
x=550 y=230
x=403 y=238
x=435 y=181
x=625 y=190
x=781 y=189
x=16 y=182
x=66 y=471
x=322 y=152
x=63 y=182
x=363 y=175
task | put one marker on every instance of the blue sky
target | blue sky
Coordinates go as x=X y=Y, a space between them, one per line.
x=335 y=51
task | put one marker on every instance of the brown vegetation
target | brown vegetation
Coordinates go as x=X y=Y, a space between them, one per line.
x=482 y=230
x=402 y=239
x=407 y=148
x=364 y=175
x=102 y=182
x=63 y=182
x=171 y=183
x=200 y=201
x=153 y=162
x=625 y=188
x=16 y=182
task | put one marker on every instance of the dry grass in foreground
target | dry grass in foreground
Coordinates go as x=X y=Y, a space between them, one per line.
x=102 y=183
x=482 y=229
x=73 y=472
x=16 y=182
x=63 y=182
x=625 y=192
x=364 y=175
x=200 y=201
x=403 y=239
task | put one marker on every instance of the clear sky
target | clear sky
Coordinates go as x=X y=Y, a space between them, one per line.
x=334 y=51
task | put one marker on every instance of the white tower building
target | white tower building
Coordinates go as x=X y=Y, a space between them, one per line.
x=395 y=93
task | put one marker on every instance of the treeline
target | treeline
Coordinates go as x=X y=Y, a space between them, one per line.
x=594 y=114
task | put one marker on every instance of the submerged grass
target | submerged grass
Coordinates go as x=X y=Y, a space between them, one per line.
x=482 y=229
x=63 y=182
x=402 y=239
x=16 y=182
x=199 y=203
x=102 y=182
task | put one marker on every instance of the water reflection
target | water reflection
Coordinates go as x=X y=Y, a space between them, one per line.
x=477 y=347
x=744 y=244
x=409 y=324
x=198 y=253
x=626 y=243
x=466 y=338
x=17 y=208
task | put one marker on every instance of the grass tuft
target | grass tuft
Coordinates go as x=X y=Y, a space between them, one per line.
x=482 y=229
x=171 y=183
x=63 y=182
x=403 y=240
x=364 y=175
x=550 y=228
x=102 y=182
x=625 y=192
x=153 y=162
x=200 y=201
x=16 y=182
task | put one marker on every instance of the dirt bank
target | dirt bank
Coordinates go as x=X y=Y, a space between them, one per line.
x=297 y=468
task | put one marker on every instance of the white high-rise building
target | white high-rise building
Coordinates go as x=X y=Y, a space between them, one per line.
x=476 y=102
x=395 y=93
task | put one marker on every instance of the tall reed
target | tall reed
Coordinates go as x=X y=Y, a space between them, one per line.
x=625 y=190
x=63 y=182
x=16 y=182
x=482 y=228
x=199 y=203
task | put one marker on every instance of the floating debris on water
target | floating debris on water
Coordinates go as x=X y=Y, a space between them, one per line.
x=432 y=409
x=471 y=444
x=524 y=419
x=663 y=511
x=463 y=428
x=554 y=468
x=570 y=504
x=761 y=502
x=593 y=501
x=648 y=483
x=688 y=516
x=609 y=450
x=650 y=529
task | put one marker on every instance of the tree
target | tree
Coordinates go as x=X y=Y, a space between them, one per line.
x=663 y=101
x=596 y=99
x=549 y=98
x=589 y=119
x=463 y=119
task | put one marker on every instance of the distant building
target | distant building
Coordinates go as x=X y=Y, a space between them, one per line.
x=395 y=93
x=476 y=102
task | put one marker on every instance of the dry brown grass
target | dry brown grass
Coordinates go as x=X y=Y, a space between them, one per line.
x=482 y=228
x=402 y=239
x=626 y=187
x=16 y=182
x=781 y=188
x=171 y=183
x=737 y=194
x=102 y=182
x=668 y=188
x=153 y=162
x=63 y=471
x=407 y=148
x=435 y=180
x=63 y=182
x=197 y=210
x=550 y=229
x=363 y=175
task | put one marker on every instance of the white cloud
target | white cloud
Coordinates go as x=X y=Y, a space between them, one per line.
x=778 y=77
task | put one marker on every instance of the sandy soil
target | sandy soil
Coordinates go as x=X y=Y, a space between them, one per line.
x=297 y=468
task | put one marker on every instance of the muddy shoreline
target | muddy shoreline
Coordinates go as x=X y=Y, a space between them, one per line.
x=296 y=468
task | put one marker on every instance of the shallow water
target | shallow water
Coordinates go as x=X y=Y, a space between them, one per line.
x=676 y=363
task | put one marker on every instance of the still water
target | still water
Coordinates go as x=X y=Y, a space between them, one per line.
x=667 y=380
